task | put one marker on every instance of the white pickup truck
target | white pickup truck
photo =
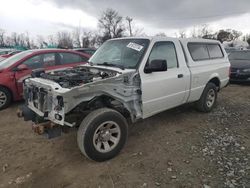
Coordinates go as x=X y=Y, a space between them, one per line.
x=127 y=79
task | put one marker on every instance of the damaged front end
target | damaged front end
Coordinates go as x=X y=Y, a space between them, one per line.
x=63 y=98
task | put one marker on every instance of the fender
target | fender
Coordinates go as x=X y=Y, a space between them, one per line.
x=7 y=80
x=214 y=75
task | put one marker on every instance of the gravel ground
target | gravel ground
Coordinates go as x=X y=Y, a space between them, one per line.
x=177 y=148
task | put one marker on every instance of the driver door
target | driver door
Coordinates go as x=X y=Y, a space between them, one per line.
x=166 y=89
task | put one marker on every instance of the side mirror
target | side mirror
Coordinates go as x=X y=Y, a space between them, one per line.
x=22 y=67
x=156 y=65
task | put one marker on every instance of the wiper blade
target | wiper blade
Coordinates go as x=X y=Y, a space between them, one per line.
x=111 y=65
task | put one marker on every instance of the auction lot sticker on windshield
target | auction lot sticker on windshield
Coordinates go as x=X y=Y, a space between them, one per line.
x=135 y=46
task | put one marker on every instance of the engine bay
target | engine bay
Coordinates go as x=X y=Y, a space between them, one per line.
x=76 y=76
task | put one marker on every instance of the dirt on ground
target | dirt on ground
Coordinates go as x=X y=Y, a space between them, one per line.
x=177 y=148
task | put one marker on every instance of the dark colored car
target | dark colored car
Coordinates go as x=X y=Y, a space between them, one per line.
x=5 y=51
x=16 y=68
x=89 y=51
x=10 y=53
x=230 y=49
x=240 y=66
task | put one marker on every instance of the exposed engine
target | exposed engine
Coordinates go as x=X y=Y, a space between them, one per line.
x=77 y=76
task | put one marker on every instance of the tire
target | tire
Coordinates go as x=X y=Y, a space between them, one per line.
x=208 y=98
x=5 y=98
x=100 y=128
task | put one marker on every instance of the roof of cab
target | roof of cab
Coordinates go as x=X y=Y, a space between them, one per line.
x=198 y=40
x=184 y=40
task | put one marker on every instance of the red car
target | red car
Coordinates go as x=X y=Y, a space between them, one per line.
x=16 y=68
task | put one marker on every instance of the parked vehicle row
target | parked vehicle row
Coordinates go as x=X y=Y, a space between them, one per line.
x=240 y=66
x=17 y=68
x=5 y=51
x=126 y=80
x=11 y=53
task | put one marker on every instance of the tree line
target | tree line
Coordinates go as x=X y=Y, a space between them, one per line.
x=110 y=25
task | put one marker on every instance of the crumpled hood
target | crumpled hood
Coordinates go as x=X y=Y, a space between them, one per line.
x=85 y=75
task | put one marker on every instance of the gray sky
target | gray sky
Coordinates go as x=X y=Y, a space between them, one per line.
x=49 y=16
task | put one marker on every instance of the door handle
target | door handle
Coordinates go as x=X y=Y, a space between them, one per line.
x=180 y=75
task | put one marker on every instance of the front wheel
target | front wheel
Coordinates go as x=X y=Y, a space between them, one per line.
x=5 y=98
x=102 y=134
x=208 y=98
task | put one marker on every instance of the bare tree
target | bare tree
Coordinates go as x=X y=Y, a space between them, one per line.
x=14 y=39
x=182 y=33
x=129 y=19
x=160 y=34
x=111 y=23
x=234 y=34
x=198 y=31
x=64 y=40
x=248 y=41
x=246 y=37
x=77 y=37
x=40 y=41
x=223 y=35
x=8 y=41
x=96 y=40
x=21 y=39
x=86 y=38
x=33 y=45
x=139 y=32
x=51 y=40
x=2 y=37
x=228 y=35
x=204 y=30
x=27 y=41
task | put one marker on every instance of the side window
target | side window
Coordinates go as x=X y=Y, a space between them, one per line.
x=198 y=51
x=214 y=51
x=68 y=58
x=164 y=51
x=49 y=59
x=34 y=62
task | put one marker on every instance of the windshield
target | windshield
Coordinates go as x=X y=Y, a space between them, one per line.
x=123 y=53
x=13 y=59
x=240 y=55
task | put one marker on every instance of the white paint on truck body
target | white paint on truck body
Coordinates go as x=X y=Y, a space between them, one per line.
x=145 y=94
x=164 y=90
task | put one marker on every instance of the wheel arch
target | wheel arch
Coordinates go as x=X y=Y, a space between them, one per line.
x=10 y=91
x=105 y=100
x=215 y=80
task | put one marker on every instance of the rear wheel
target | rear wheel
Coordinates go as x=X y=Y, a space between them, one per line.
x=208 y=98
x=5 y=98
x=102 y=134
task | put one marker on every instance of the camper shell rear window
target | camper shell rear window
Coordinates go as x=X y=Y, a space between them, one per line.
x=205 y=51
